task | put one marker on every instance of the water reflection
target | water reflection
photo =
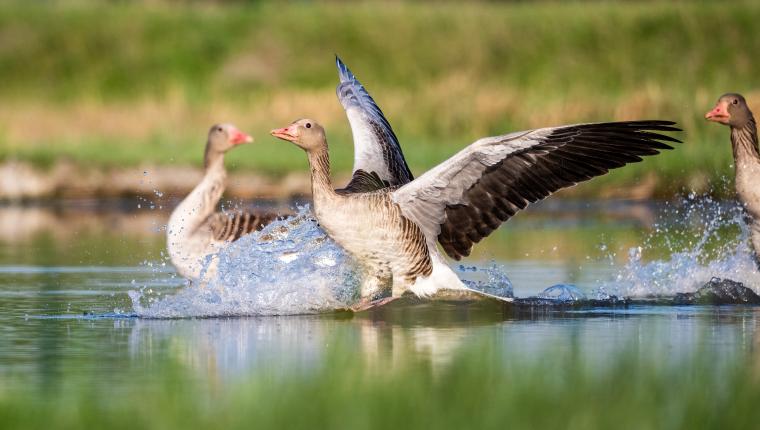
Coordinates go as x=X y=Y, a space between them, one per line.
x=223 y=349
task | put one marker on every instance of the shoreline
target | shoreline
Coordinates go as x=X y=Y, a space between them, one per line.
x=22 y=181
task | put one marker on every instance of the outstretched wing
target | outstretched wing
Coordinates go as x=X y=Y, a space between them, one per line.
x=465 y=198
x=376 y=148
x=232 y=225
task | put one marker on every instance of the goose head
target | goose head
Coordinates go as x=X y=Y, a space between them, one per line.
x=223 y=137
x=307 y=134
x=731 y=109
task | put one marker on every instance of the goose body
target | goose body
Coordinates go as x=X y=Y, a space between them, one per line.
x=463 y=199
x=373 y=228
x=196 y=230
x=732 y=110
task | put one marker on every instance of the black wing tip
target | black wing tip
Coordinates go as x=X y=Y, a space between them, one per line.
x=646 y=127
x=642 y=123
x=652 y=124
x=662 y=125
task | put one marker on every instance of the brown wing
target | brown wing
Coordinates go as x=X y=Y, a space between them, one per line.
x=566 y=157
x=232 y=225
x=465 y=198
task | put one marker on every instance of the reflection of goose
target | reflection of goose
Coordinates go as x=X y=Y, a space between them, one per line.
x=226 y=348
x=196 y=230
x=465 y=198
x=732 y=110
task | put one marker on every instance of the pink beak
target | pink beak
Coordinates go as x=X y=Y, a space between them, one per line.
x=238 y=137
x=287 y=133
x=719 y=113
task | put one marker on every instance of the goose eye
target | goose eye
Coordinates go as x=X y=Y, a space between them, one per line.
x=308 y=125
x=219 y=129
x=736 y=101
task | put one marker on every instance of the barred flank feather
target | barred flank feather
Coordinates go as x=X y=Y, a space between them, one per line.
x=231 y=226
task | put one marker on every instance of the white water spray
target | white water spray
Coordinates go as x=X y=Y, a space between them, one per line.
x=289 y=267
x=705 y=239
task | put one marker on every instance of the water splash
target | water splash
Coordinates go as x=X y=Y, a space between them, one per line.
x=289 y=267
x=491 y=279
x=562 y=293
x=705 y=238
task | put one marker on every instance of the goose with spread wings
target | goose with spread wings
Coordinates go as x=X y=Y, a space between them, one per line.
x=465 y=198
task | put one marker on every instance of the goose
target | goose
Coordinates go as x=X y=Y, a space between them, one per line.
x=732 y=110
x=196 y=229
x=463 y=199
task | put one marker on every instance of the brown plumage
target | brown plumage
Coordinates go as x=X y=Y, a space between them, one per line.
x=565 y=157
x=231 y=226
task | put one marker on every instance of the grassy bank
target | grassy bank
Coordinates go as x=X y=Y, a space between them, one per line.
x=127 y=83
x=478 y=390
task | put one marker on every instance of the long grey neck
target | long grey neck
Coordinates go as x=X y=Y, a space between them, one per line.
x=744 y=142
x=195 y=209
x=212 y=158
x=319 y=162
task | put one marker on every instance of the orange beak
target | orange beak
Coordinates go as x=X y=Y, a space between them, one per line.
x=238 y=137
x=287 y=133
x=719 y=113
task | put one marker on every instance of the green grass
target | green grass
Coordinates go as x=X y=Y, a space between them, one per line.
x=446 y=74
x=479 y=389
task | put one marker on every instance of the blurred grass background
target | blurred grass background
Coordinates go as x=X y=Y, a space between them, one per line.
x=120 y=84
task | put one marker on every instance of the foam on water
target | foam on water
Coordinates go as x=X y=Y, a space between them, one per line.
x=705 y=239
x=289 y=267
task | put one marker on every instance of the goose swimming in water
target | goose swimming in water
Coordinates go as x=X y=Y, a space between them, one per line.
x=732 y=110
x=195 y=229
x=463 y=199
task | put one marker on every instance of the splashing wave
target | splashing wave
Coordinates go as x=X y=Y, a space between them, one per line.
x=701 y=236
x=289 y=267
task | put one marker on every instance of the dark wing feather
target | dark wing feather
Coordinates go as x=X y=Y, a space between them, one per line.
x=466 y=198
x=363 y=182
x=376 y=148
x=232 y=225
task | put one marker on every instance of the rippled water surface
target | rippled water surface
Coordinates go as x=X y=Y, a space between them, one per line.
x=77 y=280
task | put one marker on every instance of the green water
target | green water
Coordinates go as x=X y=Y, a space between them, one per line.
x=69 y=358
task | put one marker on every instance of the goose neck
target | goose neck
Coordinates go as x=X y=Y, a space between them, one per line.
x=744 y=142
x=319 y=162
